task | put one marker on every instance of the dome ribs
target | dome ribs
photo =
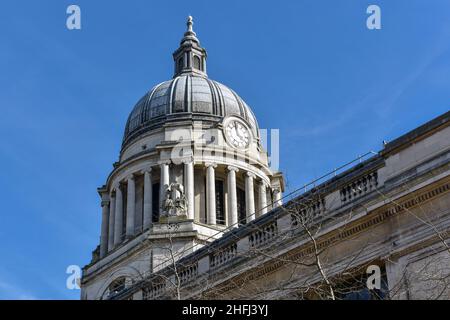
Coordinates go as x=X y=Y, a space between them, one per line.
x=178 y=99
x=217 y=103
x=241 y=106
x=172 y=94
x=204 y=98
x=220 y=98
x=188 y=95
x=147 y=112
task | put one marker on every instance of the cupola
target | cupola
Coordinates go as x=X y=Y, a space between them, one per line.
x=190 y=57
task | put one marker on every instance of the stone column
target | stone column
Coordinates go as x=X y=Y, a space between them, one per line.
x=163 y=184
x=262 y=198
x=211 y=193
x=104 y=231
x=189 y=186
x=112 y=210
x=118 y=217
x=277 y=198
x=131 y=199
x=249 y=196
x=232 y=196
x=148 y=201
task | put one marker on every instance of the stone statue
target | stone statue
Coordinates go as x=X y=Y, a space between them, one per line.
x=175 y=202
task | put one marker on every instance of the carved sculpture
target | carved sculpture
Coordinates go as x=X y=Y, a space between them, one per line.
x=175 y=202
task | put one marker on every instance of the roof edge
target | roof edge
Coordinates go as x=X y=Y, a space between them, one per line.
x=417 y=134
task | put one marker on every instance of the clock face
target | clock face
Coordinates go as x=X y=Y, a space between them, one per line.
x=237 y=134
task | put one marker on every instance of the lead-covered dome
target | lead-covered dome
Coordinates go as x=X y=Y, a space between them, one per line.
x=186 y=96
x=190 y=95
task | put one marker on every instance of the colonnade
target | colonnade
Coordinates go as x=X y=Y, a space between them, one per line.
x=112 y=233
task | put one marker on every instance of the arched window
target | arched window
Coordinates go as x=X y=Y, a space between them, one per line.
x=197 y=63
x=180 y=64
x=117 y=286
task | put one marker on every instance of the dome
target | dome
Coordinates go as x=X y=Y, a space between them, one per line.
x=187 y=96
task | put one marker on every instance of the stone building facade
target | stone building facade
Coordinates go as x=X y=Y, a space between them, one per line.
x=191 y=165
x=206 y=226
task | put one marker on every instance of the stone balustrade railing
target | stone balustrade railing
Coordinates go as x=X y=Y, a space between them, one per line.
x=309 y=209
x=188 y=273
x=154 y=291
x=223 y=256
x=359 y=187
x=263 y=236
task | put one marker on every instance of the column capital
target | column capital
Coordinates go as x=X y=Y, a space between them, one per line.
x=276 y=190
x=102 y=191
x=117 y=187
x=145 y=170
x=264 y=184
x=130 y=177
x=210 y=164
x=104 y=195
x=187 y=160
x=104 y=203
x=250 y=174
x=162 y=162
x=117 y=184
x=233 y=168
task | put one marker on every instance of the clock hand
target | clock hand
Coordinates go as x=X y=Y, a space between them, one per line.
x=234 y=133
x=241 y=136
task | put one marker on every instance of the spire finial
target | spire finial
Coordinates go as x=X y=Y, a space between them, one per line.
x=190 y=57
x=190 y=23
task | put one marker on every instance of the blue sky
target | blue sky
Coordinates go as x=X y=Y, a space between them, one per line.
x=309 y=68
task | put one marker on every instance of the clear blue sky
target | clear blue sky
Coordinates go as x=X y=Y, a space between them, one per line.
x=310 y=68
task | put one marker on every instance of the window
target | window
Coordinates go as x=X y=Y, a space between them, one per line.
x=117 y=286
x=155 y=202
x=242 y=216
x=220 y=205
x=180 y=64
x=197 y=64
